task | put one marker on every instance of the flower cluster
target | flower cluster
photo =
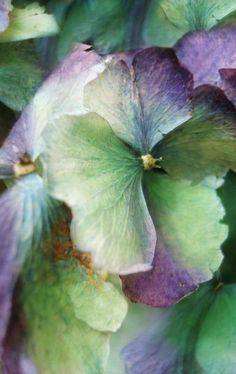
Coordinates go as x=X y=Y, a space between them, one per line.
x=118 y=186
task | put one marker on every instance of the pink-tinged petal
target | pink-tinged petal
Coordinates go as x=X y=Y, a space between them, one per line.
x=204 y=53
x=5 y=8
x=61 y=94
x=228 y=83
x=145 y=100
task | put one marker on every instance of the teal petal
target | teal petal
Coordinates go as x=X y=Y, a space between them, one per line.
x=99 y=177
x=168 y=20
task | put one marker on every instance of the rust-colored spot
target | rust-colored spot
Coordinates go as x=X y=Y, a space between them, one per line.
x=64 y=249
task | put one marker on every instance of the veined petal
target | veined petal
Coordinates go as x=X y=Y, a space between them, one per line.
x=204 y=53
x=189 y=236
x=168 y=20
x=206 y=144
x=197 y=335
x=145 y=101
x=26 y=212
x=99 y=177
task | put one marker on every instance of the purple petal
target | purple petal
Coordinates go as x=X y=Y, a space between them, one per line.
x=162 y=286
x=8 y=253
x=5 y=8
x=228 y=83
x=144 y=101
x=204 y=53
x=164 y=92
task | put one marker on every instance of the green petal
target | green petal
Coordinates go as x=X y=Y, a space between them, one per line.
x=96 y=302
x=29 y=22
x=58 y=339
x=20 y=74
x=168 y=20
x=102 y=22
x=188 y=219
x=206 y=144
x=198 y=335
x=99 y=177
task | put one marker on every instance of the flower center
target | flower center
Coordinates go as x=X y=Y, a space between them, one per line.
x=149 y=162
x=24 y=166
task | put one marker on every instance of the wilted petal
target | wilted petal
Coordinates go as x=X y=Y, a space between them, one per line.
x=189 y=236
x=204 y=53
x=99 y=177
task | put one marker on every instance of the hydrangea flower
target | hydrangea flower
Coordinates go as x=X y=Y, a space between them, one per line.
x=133 y=196
x=196 y=335
x=69 y=296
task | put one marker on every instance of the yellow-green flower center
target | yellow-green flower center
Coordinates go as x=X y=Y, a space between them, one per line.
x=149 y=162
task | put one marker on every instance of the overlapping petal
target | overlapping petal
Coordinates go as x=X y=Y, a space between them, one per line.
x=168 y=20
x=206 y=144
x=62 y=93
x=196 y=335
x=26 y=213
x=204 y=53
x=189 y=236
x=99 y=177
x=146 y=100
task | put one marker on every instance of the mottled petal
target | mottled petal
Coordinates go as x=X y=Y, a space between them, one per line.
x=205 y=52
x=95 y=301
x=58 y=340
x=99 y=177
x=146 y=100
x=195 y=336
x=5 y=8
x=206 y=144
x=189 y=236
